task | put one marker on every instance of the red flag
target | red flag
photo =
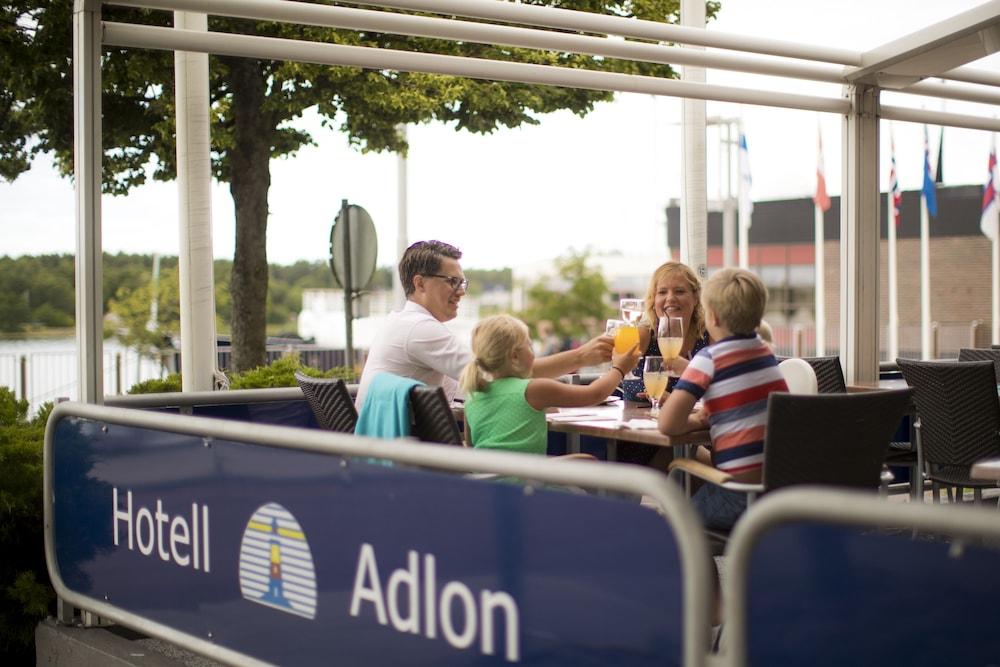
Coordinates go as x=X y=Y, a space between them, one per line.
x=821 y=198
x=897 y=195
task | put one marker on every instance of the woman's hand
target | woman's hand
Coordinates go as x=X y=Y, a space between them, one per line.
x=627 y=361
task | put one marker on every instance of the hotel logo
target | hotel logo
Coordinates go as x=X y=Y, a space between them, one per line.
x=276 y=566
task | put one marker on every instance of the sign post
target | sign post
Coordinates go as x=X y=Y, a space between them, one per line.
x=353 y=252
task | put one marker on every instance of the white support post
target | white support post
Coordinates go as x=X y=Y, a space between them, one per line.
x=926 y=335
x=402 y=223
x=995 y=280
x=859 y=238
x=194 y=186
x=694 y=208
x=893 y=282
x=87 y=153
x=820 y=286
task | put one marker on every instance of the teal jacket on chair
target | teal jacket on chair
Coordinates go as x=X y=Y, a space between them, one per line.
x=386 y=410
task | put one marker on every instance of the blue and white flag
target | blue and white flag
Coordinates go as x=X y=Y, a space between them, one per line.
x=929 y=191
x=746 y=203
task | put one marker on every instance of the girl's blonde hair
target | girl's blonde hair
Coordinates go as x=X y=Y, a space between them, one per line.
x=493 y=340
x=694 y=329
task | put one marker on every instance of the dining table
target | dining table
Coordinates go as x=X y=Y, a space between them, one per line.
x=619 y=421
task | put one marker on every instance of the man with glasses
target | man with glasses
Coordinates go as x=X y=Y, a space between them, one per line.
x=415 y=343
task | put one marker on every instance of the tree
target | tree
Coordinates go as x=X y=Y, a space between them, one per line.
x=575 y=301
x=254 y=105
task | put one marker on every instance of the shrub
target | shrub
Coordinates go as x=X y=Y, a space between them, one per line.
x=280 y=373
x=26 y=596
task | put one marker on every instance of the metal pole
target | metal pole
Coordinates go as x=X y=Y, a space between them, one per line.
x=345 y=212
x=24 y=378
x=859 y=237
x=87 y=154
x=402 y=233
x=695 y=197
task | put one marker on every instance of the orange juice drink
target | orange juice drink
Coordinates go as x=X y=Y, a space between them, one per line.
x=670 y=347
x=626 y=338
x=656 y=384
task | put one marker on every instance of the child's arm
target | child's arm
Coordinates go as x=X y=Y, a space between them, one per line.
x=544 y=393
x=676 y=416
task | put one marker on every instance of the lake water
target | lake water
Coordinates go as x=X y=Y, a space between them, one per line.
x=44 y=369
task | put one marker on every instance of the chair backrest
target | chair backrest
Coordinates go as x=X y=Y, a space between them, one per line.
x=330 y=402
x=799 y=376
x=981 y=354
x=830 y=439
x=433 y=420
x=829 y=374
x=958 y=409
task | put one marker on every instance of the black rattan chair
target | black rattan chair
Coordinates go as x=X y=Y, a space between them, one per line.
x=820 y=439
x=829 y=374
x=958 y=420
x=981 y=354
x=330 y=402
x=432 y=418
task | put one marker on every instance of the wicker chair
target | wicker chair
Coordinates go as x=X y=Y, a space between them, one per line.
x=330 y=402
x=820 y=439
x=981 y=354
x=958 y=420
x=829 y=374
x=432 y=418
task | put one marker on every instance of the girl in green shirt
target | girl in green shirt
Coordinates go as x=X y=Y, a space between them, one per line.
x=506 y=407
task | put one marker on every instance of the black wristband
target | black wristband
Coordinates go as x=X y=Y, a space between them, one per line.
x=620 y=371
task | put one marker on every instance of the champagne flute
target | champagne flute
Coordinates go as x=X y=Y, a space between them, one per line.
x=632 y=310
x=670 y=337
x=655 y=375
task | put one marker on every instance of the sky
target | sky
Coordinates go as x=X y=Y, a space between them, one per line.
x=600 y=182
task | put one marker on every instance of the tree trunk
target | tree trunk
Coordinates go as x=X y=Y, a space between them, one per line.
x=250 y=180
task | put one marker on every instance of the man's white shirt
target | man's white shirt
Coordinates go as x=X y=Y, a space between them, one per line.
x=413 y=343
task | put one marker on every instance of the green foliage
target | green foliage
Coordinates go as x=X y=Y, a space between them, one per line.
x=576 y=305
x=25 y=594
x=281 y=373
x=157 y=386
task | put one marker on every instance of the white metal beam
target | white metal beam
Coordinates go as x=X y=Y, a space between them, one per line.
x=199 y=360
x=958 y=40
x=859 y=238
x=87 y=154
x=253 y=46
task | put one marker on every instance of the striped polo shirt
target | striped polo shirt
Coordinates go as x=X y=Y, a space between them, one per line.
x=733 y=378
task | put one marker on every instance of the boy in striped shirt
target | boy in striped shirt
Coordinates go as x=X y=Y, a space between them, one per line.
x=732 y=377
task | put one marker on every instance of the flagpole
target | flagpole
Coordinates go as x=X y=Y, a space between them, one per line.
x=893 y=285
x=996 y=281
x=820 y=263
x=925 y=282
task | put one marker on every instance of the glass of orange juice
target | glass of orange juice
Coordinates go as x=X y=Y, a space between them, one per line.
x=670 y=337
x=655 y=375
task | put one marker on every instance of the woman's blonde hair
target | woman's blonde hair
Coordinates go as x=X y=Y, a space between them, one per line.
x=493 y=340
x=694 y=329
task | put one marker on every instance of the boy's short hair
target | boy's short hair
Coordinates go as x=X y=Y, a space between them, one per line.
x=738 y=298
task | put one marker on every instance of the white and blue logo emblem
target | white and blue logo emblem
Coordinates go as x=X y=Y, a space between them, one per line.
x=276 y=566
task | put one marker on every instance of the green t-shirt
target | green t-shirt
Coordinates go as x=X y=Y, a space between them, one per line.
x=501 y=418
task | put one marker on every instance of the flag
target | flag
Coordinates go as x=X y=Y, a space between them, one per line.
x=929 y=193
x=991 y=205
x=939 y=173
x=897 y=194
x=746 y=203
x=821 y=198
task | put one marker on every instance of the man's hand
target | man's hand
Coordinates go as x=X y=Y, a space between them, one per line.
x=596 y=350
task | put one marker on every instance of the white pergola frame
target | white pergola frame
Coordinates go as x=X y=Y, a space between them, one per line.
x=940 y=51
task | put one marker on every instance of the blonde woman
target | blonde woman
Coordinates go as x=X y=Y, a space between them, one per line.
x=674 y=291
x=505 y=408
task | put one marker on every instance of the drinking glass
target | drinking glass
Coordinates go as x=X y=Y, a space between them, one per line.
x=655 y=375
x=670 y=337
x=632 y=310
x=626 y=337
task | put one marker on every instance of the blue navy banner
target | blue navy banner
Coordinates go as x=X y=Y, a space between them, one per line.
x=294 y=557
